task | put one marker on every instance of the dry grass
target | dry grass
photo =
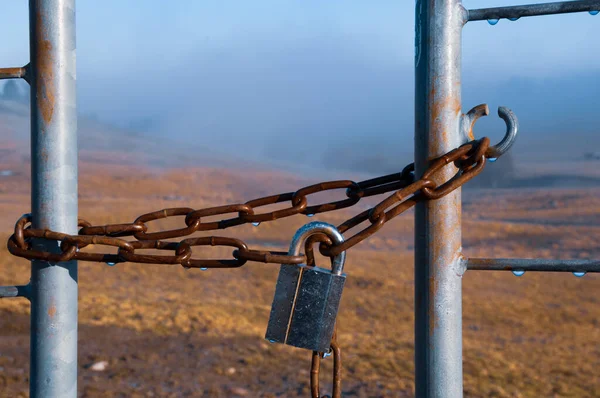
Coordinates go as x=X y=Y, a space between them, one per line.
x=170 y=332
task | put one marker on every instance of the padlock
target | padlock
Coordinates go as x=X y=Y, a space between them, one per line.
x=307 y=298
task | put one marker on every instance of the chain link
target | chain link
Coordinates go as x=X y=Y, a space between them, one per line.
x=469 y=159
x=315 y=368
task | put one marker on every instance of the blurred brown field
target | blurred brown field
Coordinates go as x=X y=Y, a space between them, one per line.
x=169 y=332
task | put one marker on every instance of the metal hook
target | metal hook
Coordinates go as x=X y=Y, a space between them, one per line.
x=512 y=128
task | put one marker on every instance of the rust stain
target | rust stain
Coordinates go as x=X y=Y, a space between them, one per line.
x=52 y=311
x=446 y=243
x=439 y=106
x=44 y=154
x=433 y=286
x=445 y=136
x=45 y=75
x=471 y=134
x=441 y=137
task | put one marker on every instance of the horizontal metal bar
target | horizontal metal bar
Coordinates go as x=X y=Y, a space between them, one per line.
x=14 y=291
x=532 y=264
x=14 y=73
x=532 y=10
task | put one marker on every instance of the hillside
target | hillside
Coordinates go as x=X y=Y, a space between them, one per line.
x=101 y=143
x=167 y=332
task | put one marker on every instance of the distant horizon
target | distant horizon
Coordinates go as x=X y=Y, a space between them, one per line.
x=516 y=170
x=300 y=82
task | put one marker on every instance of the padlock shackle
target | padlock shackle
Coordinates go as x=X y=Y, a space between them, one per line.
x=313 y=228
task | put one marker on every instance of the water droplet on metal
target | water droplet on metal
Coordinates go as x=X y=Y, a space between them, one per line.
x=579 y=274
x=514 y=19
x=595 y=12
x=256 y=224
x=518 y=272
x=492 y=159
x=111 y=264
x=493 y=21
x=203 y=269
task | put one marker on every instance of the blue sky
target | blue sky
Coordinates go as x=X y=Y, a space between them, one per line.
x=262 y=75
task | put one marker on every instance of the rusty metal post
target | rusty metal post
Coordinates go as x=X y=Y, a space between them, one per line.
x=53 y=196
x=438 y=264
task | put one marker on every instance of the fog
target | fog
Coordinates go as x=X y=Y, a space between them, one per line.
x=307 y=84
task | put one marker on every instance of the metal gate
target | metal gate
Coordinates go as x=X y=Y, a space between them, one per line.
x=52 y=289
x=440 y=126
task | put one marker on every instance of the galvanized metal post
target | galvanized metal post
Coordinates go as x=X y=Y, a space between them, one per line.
x=53 y=195
x=438 y=265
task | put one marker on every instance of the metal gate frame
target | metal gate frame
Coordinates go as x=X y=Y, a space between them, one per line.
x=439 y=127
x=52 y=289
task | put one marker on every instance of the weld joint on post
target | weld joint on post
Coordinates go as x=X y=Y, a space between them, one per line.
x=27 y=73
x=464 y=15
x=461 y=264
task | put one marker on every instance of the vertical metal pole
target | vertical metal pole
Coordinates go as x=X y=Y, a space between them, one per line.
x=438 y=269
x=53 y=196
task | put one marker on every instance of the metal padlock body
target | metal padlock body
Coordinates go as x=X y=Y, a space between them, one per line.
x=307 y=299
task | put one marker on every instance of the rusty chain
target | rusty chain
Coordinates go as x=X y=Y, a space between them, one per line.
x=315 y=368
x=469 y=159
